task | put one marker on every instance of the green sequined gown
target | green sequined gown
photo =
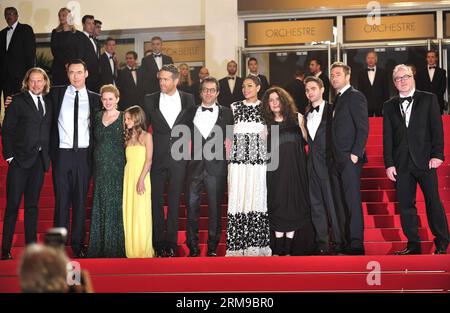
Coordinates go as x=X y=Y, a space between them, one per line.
x=107 y=232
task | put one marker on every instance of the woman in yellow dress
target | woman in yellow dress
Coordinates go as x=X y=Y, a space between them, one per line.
x=137 y=210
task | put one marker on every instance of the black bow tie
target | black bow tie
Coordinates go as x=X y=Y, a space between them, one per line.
x=403 y=99
x=315 y=109
x=111 y=57
x=431 y=67
x=9 y=28
x=370 y=69
x=207 y=109
x=157 y=55
x=90 y=36
x=231 y=77
x=133 y=69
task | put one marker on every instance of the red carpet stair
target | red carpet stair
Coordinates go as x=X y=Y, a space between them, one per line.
x=383 y=235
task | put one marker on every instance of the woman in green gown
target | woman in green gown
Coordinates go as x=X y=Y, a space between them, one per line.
x=106 y=238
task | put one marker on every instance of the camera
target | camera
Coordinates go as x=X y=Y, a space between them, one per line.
x=56 y=237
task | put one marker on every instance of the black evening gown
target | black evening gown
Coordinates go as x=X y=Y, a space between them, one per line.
x=287 y=190
x=65 y=47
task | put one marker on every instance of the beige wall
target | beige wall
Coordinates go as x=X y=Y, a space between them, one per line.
x=130 y=14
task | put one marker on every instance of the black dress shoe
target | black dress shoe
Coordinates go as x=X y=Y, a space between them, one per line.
x=408 y=251
x=355 y=251
x=160 y=253
x=170 y=253
x=194 y=252
x=6 y=255
x=440 y=251
x=212 y=253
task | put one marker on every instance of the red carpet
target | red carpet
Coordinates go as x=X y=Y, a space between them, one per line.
x=383 y=235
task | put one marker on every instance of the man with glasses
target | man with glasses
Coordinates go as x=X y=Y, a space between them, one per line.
x=413 y=140
x=208 y=166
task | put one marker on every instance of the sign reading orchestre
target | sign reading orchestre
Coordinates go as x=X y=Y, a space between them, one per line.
x=278 y=33
x=183 y=50
x=398 y=27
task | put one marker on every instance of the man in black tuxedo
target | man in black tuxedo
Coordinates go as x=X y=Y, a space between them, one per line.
x=373 y=83
x=127 y=82
x=109 y=63
x=433 y=79
x=315 y=67
x=230 y=86
x=350 y=130
x=17 y=53
x=71 y=150
x=413 y=148
x=25 y=138
x=207 y=167
x=252 y=64
x=318 y=120
x=202 y=74
x=150 y=67
x=169 y=113
x=296 y=89
x=90 y=53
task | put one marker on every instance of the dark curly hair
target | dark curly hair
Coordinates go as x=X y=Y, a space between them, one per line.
x=287 y=104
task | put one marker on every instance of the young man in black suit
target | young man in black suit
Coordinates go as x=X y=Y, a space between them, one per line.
x=252 y=64
x=433 y=79
x=318 y=120
x=90 y=53
x=25 y=138
x=127 y=82
x=413 y=148
x=109 y=63
x=373 y=83
x=150 y=67
x=315 y=67
x=17 y=53
x=71 y=150
x=208 y=166
x=169 y=113
x=350 y=130
x=202 y=74
x=230 y=86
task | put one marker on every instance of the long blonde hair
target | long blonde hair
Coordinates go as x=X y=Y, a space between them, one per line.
x=138 y=116
x=60 y=27
x=187 y=79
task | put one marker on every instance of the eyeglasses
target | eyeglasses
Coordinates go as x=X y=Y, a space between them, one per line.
x=402 y=79
x=209 y=90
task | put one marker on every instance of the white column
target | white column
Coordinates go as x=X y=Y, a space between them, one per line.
x=221 y=35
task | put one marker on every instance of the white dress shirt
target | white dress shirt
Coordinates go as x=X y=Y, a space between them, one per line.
x=231 y=83
x=170 y=107
x=92 y=40
x=318 y=74
x=65 y=119
x=133 y=74
x=313 y=120
x=9 y=34
x=111 y=62
x=371 y=75
x=205 y=120
x=407 y=108
x=431 y=71
x=158 y=60
x=35 y=99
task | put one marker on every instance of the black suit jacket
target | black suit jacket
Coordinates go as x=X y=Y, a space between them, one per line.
x=264 y=85
x=129 y=92
x=423 y=139
x=326 y=85
x=57 y=95
x=21 y=54
x=91 y=58
x=319 y=148
x=437 y=86
x=25 y=130
x=296 y=89
x=106 y=74
x=377 y=93
x=226 y=98
x=162 y=133
x=148 y=80
x=198 y=161
x=350 y=126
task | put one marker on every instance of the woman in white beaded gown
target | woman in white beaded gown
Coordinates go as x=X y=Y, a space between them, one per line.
x=248 y=225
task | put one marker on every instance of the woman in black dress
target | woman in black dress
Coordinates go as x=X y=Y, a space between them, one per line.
x=65 y=47
x=185 y=82
x=287 y=185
